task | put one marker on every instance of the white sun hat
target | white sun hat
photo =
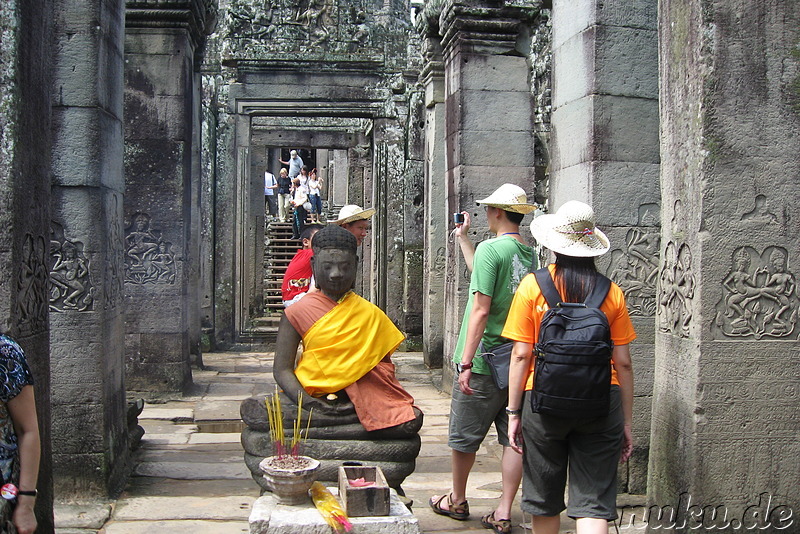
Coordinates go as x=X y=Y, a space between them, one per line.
x=509 y=197
x=351 y=213
x=571 y=231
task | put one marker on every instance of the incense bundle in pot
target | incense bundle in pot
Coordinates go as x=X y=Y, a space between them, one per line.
x=288 y=474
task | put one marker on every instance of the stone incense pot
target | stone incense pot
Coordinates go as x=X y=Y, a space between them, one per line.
x=289 y=477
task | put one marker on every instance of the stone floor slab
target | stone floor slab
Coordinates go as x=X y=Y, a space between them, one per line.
x=81 y=516
x=177 y=527
x=206 y=437
x=227 y=508
x=192 y=470
x=185 y=415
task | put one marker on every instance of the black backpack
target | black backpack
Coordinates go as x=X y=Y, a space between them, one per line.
x=573 y=355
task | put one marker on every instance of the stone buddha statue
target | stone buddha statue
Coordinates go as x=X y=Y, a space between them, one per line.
x=345 y=373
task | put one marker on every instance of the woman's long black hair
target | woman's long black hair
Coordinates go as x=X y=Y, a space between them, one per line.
x=574 y=277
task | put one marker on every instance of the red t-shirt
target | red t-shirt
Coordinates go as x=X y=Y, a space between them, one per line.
x=298 y=275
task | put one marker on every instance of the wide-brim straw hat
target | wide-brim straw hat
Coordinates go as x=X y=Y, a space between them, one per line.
x=571 y=231
x=352 y=212
x=509 y=197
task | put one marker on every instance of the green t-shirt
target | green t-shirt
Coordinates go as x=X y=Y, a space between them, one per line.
x=498 y=267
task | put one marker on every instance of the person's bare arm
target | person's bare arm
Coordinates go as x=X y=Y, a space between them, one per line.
x=517 y=375
x=475 y=326
x=462 y=235
x=22 y=409
x=283 y=372
x=624 y=368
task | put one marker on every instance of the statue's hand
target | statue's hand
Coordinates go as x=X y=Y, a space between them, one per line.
x=329 y=407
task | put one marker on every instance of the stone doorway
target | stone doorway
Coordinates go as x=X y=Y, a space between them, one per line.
x=341 y=150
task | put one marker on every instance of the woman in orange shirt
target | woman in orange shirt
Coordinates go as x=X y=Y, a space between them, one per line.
x=585 y=449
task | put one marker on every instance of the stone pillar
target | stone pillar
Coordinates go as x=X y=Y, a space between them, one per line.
x=25 y=143
x=90 y=438
x=725 y=423
x=208 y=166
x=488 y=133
x=604 y=151
x=162 y=197
x=383 y=284
x=414 y=222
x=436 y=215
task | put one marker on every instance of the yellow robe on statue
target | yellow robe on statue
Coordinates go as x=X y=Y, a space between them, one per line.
x=344 y=345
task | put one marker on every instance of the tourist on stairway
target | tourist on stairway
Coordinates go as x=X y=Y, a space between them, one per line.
x=298 y=279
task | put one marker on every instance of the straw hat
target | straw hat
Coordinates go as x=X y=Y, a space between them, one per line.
x=351 y=213
x=571 y=231
x=509 y=197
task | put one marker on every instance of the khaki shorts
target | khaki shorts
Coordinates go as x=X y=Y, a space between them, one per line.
x=472 y=415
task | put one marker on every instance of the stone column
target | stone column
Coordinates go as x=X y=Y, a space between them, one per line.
x=90 y=438
x=725 y=423
x=162 y=198
x=488 y=130
x=25 y=144
x=436 y=215
x=207 y=212
x=604 y=151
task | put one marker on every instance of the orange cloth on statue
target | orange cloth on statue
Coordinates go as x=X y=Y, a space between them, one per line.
x=347 y=345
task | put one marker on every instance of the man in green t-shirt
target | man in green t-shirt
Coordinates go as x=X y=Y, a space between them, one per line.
x=498 y=266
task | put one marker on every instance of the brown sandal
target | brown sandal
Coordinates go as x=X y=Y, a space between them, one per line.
x=456 y=511
x=500 y=526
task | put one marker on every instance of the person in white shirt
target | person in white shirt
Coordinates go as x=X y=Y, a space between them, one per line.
x=270 y=194
x=314 y=184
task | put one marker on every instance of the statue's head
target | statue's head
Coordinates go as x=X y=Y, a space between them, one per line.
x=334 y=260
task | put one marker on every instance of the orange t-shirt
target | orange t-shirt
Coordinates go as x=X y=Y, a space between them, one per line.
x=529 y=306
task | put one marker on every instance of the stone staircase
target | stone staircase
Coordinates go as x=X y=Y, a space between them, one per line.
x=279 y=249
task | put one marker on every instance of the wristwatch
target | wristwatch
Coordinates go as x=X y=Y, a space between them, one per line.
x=31 y=493
x=461 y=367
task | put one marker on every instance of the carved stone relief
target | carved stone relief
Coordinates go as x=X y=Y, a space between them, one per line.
x=760 y=212
x=439 y=262
x=635 y=270
x=677 y=290
x=112 y=288
x=148 y=258
x=291 y=26
x=31 y=305
x=71 y=286
x=759 y=295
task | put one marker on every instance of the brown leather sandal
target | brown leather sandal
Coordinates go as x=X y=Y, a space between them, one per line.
x=500 y=526
x=458 y=511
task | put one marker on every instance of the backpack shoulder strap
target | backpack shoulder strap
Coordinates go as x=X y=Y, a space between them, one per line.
x=547 y=287
x=601 y=286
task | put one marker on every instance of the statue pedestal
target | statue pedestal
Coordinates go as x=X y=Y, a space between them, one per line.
x=269 y=517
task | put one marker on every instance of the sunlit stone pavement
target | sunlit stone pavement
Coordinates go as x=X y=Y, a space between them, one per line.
x=190 y=475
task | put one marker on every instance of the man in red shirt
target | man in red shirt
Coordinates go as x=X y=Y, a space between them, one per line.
x=298 y=276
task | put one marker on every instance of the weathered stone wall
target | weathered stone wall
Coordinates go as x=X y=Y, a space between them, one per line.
x=725 y=423
x=488 y=134
x=437 y=219
x=604 y=151
x=91 y=453
x=162 y=194
x=540 y=58
x=25 y=138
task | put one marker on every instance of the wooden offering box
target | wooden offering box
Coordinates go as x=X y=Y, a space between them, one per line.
x=366 y=501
